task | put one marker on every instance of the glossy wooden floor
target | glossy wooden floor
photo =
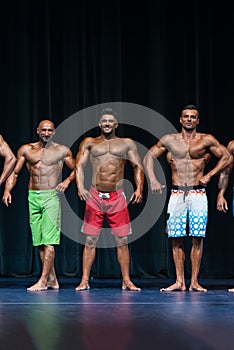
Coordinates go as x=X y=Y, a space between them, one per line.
x=105 y=317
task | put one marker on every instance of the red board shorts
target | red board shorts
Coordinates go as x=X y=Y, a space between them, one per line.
x=113 y=206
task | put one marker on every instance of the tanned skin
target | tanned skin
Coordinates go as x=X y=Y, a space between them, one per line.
x=107 y=154
x=44 y=161
x=187 y=153
x=9 y=160
x=224 y=179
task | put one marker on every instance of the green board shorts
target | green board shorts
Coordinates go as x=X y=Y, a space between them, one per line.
x=45 y=216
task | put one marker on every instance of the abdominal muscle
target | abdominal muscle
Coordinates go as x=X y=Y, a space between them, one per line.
x=108 y=177
x=187 y=172
x=44 y=178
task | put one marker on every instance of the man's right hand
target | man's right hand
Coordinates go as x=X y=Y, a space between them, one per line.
x=6 y=198
x=156 y=187
x=222 y=204
x=84 y=194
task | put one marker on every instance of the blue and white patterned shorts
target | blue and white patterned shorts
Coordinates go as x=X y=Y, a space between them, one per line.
x=190 y=205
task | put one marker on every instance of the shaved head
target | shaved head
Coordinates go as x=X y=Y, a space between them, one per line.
x=47 y=123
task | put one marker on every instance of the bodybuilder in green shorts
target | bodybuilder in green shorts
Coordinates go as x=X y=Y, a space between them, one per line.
x=44 y=161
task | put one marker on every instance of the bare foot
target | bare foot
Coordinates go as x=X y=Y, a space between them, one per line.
x=174 y=288
x=231 y=290
x=53 y=285
x=84 y=285
x=130 y=286
x=197 y=288
x=37 y=287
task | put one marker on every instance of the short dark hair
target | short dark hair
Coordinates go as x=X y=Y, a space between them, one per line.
x=108 y=111
x=190 y=106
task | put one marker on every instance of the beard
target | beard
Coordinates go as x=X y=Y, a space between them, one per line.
x=45 y=139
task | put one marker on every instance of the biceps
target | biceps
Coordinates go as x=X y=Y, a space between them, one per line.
x=70 y=162
x=82 y=158
x=219 y=151
x=134 y=158
x=6 y=152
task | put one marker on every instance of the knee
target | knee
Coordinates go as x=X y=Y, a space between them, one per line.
x=49 y=248
x=91 y=241
x=197 y=243
x=196 y=246
x=122 y=242
x=177 y=244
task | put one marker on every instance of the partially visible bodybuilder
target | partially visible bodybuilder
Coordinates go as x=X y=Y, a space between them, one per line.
x=44 y=161
x=224 y=178
x=9 y=160
x=224 y=181
x=107 y=154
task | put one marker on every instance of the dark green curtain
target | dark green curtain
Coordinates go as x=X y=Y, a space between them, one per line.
x=60 y=57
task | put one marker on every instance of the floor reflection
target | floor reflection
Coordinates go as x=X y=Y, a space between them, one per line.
x=108 y=318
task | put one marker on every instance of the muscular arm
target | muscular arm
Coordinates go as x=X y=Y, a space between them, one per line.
x=9 y=160
x=221 y=152
x=135 y=160
x=82 y=158
x=12 y=179
x=154 y=152
x=223 y=182
x=70 y=163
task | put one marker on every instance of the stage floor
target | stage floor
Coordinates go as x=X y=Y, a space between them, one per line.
x=105 y=317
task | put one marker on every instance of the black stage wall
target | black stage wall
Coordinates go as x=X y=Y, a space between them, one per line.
x=60 y=57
